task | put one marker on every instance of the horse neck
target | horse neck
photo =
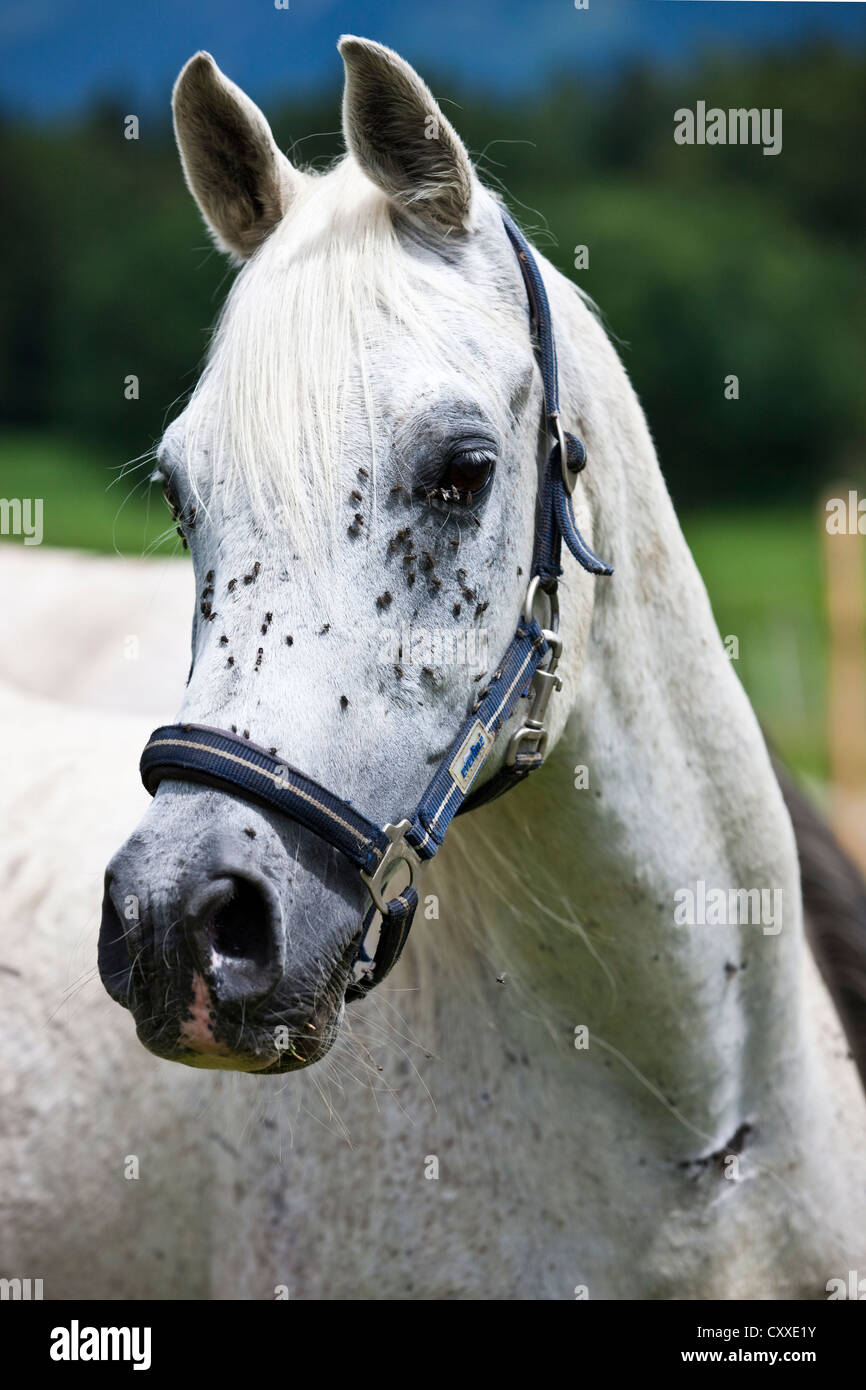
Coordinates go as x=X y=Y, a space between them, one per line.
x=576 y=885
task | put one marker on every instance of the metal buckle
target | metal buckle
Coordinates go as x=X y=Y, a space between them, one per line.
x=544 y=682
x=569 y=479
x=398 y=851
x=526 y=731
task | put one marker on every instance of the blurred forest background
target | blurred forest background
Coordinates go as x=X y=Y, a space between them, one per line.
x=705 y=261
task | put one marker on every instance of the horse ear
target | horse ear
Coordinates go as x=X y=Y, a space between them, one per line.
x=396 y=131
x=242 y=182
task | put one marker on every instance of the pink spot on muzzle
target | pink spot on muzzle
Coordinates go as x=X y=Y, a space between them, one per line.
x=196 y=1030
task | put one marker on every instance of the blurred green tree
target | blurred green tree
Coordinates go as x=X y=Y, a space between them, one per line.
x=706 y=261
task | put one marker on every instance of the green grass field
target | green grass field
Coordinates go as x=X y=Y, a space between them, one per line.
x=86 y=501
x=763 y=570
x=764 y=574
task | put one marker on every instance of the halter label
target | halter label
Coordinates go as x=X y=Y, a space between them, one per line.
x=470 y=756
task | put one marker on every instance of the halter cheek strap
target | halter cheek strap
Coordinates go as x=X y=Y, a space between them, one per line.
x=213 y=757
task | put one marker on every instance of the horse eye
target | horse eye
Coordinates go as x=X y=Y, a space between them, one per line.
x=467 y=474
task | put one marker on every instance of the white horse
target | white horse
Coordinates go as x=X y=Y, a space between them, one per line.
x=606 y=1064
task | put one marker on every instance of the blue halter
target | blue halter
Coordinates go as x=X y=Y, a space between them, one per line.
x=197 y=753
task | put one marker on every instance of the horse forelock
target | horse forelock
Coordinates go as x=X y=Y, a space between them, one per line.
x=291 y=381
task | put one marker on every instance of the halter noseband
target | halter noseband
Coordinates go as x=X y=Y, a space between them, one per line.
x=197 y=753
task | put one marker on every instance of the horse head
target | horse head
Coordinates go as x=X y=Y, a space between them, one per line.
x=356 y=475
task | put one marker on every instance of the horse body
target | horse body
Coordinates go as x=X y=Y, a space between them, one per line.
x=77 y=1101
x=560 y=1091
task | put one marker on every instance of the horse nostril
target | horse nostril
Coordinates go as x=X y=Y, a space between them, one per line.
x=240 y=927
x=113 y=955
x=234 y=928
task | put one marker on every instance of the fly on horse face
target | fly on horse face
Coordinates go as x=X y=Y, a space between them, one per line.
x=440 y=587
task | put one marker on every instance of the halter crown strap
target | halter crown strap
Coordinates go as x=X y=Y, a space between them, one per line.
x=568 y=455
x=541 y=317
x=199 y=753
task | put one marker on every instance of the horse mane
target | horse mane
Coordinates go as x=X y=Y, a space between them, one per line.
x=834 y=903
x=288 y=363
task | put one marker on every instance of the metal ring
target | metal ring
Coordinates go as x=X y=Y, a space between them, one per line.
x=398 y=852
x=529 y=602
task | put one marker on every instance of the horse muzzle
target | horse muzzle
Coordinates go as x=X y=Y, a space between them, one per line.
x=216 y=964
